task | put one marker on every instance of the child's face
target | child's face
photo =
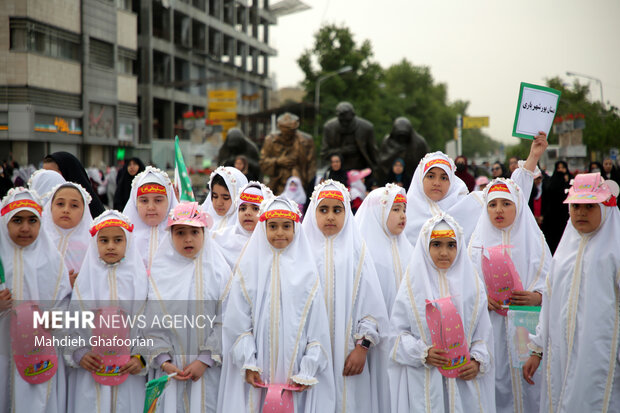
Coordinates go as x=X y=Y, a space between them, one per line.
x=502 y=212
x=586 y=218
x=24 y=228
x=330 y=216
x=220 y=197
x=280 y=232
x=187 y=240
x=67 y=208
x=443 y=252
x=152 y=208
x=397 y=218
x=111 y=244
x=335 y=163
x=248 y=216
x=436 y=184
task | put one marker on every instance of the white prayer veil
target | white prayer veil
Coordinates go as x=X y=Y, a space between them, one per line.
x=235 y=180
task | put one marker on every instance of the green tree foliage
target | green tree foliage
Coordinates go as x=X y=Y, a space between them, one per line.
x=381 y=95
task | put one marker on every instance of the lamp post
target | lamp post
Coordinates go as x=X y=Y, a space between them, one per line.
x=591 y=78
x=317 y=93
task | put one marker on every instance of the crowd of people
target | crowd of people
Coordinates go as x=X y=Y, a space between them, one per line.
x=356 y=297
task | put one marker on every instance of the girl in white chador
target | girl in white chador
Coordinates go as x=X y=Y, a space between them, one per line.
x=579 y=328
x=67 y=220
x=232 y=239
x=358 y=320
x=382 y=219
x=112 y=277
x=42 y=181
x=439 y=268
x=34 y=271
x=221 y=203
x=435 y=188
x=151 y=200
x=507 y=220
x=187 y=280
x=275 y=325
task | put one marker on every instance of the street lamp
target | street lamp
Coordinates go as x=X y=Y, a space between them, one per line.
x=317 y=93
x=591 y=78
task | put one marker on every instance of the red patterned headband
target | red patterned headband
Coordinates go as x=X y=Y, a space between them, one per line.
x=443 y=233
x=331 y=194
x=254 y=199
x=500 y=188
x=434 y=162
x=400 y=198
x=279 y=213
x=111 y=223
x=152 y=189
x=22 y=203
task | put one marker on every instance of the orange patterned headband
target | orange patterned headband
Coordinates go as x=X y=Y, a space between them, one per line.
x=151 y=189
x=111 y=223
x=499 y=187
x=331 y=194
x=22 y=203
x=254 y=199
x=279 y=213
x=400 y=198
x=443 y=233
x=434 y=162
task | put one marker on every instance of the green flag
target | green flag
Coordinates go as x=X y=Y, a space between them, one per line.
x=181 y=177
x=154 y=389
x=1 y=272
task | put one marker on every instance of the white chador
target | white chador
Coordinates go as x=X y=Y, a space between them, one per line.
x=390 y=253
x=148 y=238
x=235 y=180
x=71 y=243
x=420 y=387
x=275 y=322
x=532 y=258
x=181 y=286
x=355 y=306
x=121 y=285
x=464 y=206
x=579 y=328
x=33 y=273
x=42 y=181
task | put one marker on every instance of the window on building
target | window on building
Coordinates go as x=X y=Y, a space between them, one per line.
x=30 y=36
x=126 y=62
x=161 y=68
x=124 y=4
x=101 y=53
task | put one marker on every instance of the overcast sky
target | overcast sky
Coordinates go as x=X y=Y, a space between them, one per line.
x=481 y=49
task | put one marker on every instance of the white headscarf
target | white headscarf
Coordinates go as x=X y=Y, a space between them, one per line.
x=298 y=195
x=464 y=207
x=71 y=243
x=148 y=238
x=235 y=180
x=530 y=255
x=42 y=181
x=352 y=293
x=35 y=272
x=390 y=252
x=424 y=281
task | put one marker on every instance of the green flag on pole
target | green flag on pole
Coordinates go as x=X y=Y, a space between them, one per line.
x=181 y=177
x=154 y=389
x=1 y=272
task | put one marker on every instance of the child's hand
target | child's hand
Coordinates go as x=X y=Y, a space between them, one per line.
x=133 y=366
x=493 y=305
x=298 y=387
x=6 y=299
x=91 y=362
x=530 y=367
x=435 y=358
x=195 y=370
x=470 y=370
x=253 y=377
x=354 y=364
x=72 y=276
x=170 y=368
x=525 y=298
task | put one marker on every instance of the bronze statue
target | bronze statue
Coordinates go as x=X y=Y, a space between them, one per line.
x=237 y=144
x=288 y=153
x=351 y=137
x=404 y=143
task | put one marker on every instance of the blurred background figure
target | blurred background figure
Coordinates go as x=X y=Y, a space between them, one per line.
x=513 y=164
x=237 y=148
x=554 y=211
x=335 y=171
x=610 y=171
x=402 y=143
x=535 y=201
x=398 y=174
x=294 y=191
x=124 y=177
x=481 y=183
x=498 y=170
x=463 y=173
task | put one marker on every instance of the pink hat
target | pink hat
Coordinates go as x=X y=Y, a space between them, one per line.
x=482 y=180
x=355 y=175
x=592 y=189
x=189 y=213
